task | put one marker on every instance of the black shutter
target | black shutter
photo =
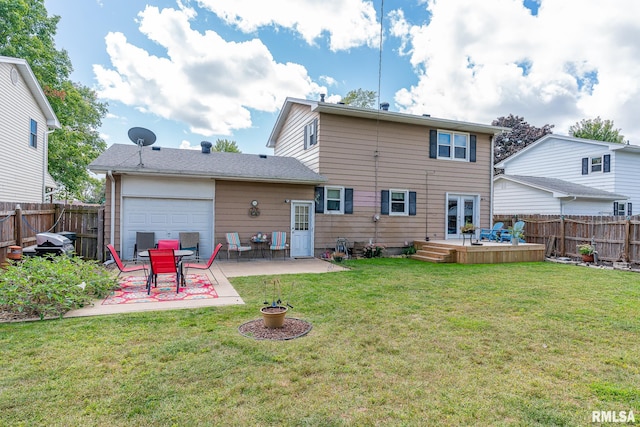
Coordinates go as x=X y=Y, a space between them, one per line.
x=314 y=137
x=319 y=199
x=629 y=209
x=348 y=200
x=472 y=148
x=606 y=167
x=585 y=166
x=306 y=137
x=412 y=202
x=384 y=206
x=615 y=208
x=433 y=144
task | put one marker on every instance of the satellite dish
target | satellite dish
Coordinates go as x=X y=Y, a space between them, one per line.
x=141 y=136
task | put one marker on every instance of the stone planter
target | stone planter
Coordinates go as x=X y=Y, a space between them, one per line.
x=273 y=317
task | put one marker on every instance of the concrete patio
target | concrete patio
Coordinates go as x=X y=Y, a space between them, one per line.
x=222 y=271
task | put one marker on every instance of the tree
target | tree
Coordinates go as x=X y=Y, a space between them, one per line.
x=596 y=129
x=520 y=135
x=360 y=98
x=224 y=145
x=27 y=32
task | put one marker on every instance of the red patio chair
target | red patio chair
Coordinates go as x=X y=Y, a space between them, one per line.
x=206 y=266
x=163 y=261
x=121 y=266
x=169 y=244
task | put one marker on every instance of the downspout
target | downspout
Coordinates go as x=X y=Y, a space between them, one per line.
x=492 y=168
x=112 y=229
x=562 y=204
x=45 y=168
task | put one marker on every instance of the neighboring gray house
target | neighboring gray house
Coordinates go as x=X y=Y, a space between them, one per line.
x=563 y=175
x=26 y=119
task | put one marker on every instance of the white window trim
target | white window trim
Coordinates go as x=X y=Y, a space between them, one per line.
x=310 y=131
x=453 y=145
x=591 y=164
x=406 y=202
x=326 y=200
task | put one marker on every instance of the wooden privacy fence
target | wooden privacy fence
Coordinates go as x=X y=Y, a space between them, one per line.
x=616 y=238
x=20 y=222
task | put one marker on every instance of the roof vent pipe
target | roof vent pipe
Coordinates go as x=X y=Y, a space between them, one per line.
x=384 y=106
x=206 y=147
x=322 y=97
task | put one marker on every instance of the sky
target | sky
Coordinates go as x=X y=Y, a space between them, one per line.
x=202 y=70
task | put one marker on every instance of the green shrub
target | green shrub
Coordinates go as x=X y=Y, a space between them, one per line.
x=43 y=286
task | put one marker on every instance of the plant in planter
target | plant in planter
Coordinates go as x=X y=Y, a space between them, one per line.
x=275 y=311
x=373 y=250
x=587 y=252
x=468 y=228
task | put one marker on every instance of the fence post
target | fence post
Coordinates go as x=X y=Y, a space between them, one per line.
x=627 y=239
x=100 y=233
x=562 y=236
x=18 y=225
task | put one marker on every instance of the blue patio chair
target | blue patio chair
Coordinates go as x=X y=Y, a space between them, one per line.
x=491 y=233
x=518 y=227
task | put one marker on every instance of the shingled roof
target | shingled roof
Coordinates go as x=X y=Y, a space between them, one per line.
x=562 y=188
x=161 y=161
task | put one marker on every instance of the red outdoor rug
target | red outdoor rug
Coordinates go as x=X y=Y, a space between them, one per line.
x=133 y=289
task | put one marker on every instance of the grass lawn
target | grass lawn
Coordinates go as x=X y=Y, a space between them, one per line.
x=394 y=342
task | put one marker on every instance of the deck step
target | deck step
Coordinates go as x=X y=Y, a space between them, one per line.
x=435 y=253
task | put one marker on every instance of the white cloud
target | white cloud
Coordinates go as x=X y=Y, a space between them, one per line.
x=205 y=81
x=186 y=145
x=349 y=23
x=477 y=61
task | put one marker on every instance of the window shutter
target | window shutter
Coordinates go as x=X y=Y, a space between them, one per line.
x=412 y=202
x=319 y=199
x=314 y=137
x=348 y=200
x=306 y=137
x=472 y=148
x=585 y=166
x=629 y=210
x=384 y=206
x=615 y=208
x=433 y=144
x=606 y=167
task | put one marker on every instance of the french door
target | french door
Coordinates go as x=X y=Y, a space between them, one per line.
x=461 y=209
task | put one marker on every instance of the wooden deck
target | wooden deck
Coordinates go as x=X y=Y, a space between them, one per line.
x=487 y=253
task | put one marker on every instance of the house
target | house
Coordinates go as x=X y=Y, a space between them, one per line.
x=338 y=172
x=26 y=119
x=563 y=175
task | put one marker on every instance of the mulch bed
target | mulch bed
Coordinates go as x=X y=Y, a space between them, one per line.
x=292 y=328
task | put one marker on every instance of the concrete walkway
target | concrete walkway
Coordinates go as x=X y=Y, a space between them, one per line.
x=227 y=295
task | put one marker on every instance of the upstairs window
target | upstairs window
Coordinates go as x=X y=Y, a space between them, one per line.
x=452 y=145
x=311 y=134
x=33 y=135
x=596 y=164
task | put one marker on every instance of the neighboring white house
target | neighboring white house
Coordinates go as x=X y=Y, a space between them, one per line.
x=26 y=117
x=563 y=175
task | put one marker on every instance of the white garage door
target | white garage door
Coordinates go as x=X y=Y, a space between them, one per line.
x=167 y=218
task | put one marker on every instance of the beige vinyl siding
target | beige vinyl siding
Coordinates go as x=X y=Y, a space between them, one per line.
x=21 y=166
x=348 y=149
x=291 y=139
x=233 y=200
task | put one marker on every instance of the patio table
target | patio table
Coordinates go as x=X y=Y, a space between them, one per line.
x=178 y=254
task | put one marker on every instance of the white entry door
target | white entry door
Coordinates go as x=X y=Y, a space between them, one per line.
x=301 y=229
x=461 y=209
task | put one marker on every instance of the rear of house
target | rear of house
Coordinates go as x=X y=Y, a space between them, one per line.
x=392 y=178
